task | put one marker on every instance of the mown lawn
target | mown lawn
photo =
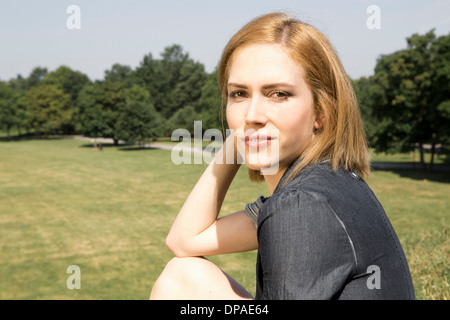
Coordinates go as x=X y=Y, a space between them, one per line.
x=108 y=212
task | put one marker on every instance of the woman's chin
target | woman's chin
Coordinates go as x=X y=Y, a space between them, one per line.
x=265 y=168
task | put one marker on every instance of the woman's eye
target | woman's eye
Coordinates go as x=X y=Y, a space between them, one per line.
x=237 y=94
x=280 y=95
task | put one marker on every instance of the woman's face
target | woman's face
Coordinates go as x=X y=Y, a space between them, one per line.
x=269 y=107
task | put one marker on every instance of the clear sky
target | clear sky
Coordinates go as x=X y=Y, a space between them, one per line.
x=34 y=32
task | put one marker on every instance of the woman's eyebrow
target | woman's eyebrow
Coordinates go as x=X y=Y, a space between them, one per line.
x=237 y=85
x=265 y=87
x=278 y=85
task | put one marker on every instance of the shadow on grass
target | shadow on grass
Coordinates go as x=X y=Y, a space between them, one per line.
x=120 y=147
x=136 y=148
x=440 y=173
x=26 y=137
x=104 y=145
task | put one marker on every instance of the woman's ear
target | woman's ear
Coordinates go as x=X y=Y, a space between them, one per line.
x=320 y=120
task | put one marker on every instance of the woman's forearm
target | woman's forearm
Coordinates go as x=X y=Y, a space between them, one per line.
x=203 y=204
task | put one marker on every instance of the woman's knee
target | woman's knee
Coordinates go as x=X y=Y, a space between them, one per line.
x=196 y=278
x=180 y=268
x=179 y=276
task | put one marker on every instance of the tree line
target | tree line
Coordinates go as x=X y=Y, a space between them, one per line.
x=405 y=103
x=157 y=97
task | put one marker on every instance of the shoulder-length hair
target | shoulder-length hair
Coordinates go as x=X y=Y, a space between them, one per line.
x=342 y=139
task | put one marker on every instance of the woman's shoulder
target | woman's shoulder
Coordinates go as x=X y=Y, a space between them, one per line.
x=317 y=185
x=317 y=189
x=322 y=179
x=293 y=196
x=310 y=180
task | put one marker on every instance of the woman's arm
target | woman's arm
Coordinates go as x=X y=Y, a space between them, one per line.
x=196 y=230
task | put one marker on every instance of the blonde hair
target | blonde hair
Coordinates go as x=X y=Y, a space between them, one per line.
x=341 y=140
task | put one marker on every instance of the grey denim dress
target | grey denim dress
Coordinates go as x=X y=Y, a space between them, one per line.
x=326 y=236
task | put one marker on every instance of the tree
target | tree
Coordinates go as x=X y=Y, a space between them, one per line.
x=174 y=81
x=149 y=75
x=183 y=118
x=100 y=105
x=120 y=73
x=173 y=59
x=19 y=85
x=49 y=108
x=71 y=82
x=409 y=98
x=139 y=120
x=22 y=114
x=208 y=106
x=14 y=110
x=91 y=121
x=188 y=89
x=36 y=77
x=364 y=89
x=440 y=92
x=8 y=117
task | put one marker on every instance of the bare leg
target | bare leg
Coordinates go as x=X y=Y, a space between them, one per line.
x=194 y=278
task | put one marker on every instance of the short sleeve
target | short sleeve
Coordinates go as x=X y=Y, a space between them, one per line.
x=304 y=249
x=252 y=209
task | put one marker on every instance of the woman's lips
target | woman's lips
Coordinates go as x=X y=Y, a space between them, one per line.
x=258 y=141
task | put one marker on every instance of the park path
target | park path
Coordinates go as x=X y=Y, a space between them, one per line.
x=146 y=145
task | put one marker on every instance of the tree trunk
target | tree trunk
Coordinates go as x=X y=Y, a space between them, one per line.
x=433 y=151
x=422 y=161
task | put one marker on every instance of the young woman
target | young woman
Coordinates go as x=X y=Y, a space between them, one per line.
x=322 y=234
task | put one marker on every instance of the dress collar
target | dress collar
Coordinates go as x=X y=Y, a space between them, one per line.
x=286 y=174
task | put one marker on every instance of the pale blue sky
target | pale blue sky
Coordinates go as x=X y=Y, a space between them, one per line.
x=34 y=33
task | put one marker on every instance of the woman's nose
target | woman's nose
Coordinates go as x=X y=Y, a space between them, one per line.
x=256 y=113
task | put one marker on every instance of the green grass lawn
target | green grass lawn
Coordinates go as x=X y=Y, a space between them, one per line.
x=108 y=212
